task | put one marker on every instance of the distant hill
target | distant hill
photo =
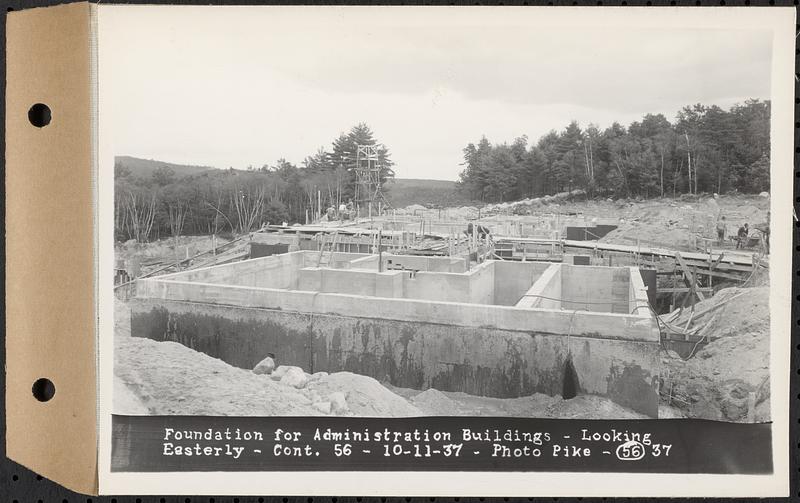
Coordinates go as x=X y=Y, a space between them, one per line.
x=144 y=168
x=402 y=192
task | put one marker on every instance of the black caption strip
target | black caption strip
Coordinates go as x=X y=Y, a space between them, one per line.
x=202 y=443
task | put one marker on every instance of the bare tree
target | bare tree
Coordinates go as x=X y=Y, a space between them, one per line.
x=248 y=204
x=141 y=211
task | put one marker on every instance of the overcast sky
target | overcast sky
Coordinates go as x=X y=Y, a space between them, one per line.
x=238 y=87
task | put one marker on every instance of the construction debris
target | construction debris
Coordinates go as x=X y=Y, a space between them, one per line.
x=720 y=379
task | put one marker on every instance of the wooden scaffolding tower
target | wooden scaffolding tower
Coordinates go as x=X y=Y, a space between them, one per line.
x=369 y=198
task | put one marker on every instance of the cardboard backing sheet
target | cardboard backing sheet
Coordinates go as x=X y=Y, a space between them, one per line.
x=50 y=271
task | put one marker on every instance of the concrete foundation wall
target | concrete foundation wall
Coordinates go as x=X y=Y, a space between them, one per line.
x=451 y=331
x=545 y=292
x=481 y=360
x=474 y=287
x=481 y=283
x=612 y=326
x=366 y=262
x=421 y=263
x=275 y=271
x=638 y=300
x=592 y=288
x=351 y=281
x=513 y=279
x=436 y=287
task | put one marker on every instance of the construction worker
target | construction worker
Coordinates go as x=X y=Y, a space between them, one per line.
x=721 y=228
x=741 y=236
x=480 y=230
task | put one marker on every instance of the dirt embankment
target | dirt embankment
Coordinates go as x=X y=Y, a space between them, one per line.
x=684 y=223
x=728 y=379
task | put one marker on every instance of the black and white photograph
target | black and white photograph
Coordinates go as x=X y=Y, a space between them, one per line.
x=342 y=214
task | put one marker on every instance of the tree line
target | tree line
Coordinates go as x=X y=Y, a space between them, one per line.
x=238 y=201
x=705 y=149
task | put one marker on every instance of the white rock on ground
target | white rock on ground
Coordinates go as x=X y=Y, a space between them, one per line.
x=324 y=407
x=265 y=366
x=364 y=395
x=338 y=403
x=281 y=370
x=295 y=377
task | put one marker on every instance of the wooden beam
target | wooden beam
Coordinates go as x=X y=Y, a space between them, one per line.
x=720 y=274
x=731 y=257
x=684 y=290
x=723 y=266
x=714 y=308
x=692 y=281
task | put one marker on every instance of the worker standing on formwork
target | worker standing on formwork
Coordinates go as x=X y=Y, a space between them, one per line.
x=721 y=229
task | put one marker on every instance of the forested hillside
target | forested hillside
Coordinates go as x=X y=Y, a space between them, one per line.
x=705 y=149
x=154 y=200
x=145 y=168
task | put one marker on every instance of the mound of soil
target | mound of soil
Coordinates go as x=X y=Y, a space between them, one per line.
x=728 y=379
x=365 y=396
x=169 y=378
x=590 y=407
x=433 y=402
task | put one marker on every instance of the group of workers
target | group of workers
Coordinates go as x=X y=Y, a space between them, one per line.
x=743 y=234
x=345 y=212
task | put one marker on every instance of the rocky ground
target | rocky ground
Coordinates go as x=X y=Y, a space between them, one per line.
x=727 y=379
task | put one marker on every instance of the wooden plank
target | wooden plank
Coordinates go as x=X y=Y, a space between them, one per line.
x=721 y=266
x=714 y=308
x=684 y=290
x=688 y=275
x=691 y=338
x=730 y=257
x=721 y=275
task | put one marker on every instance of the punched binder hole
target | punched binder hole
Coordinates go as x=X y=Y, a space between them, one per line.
x=39 y=115
x=43 y=389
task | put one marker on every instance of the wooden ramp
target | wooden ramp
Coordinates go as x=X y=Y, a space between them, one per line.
x=730 y=257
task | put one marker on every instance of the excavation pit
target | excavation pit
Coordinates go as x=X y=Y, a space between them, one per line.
x=502 y=329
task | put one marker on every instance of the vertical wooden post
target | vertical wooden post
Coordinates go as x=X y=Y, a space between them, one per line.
x=380 y=251
x=710 y=276
x=674 y=287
